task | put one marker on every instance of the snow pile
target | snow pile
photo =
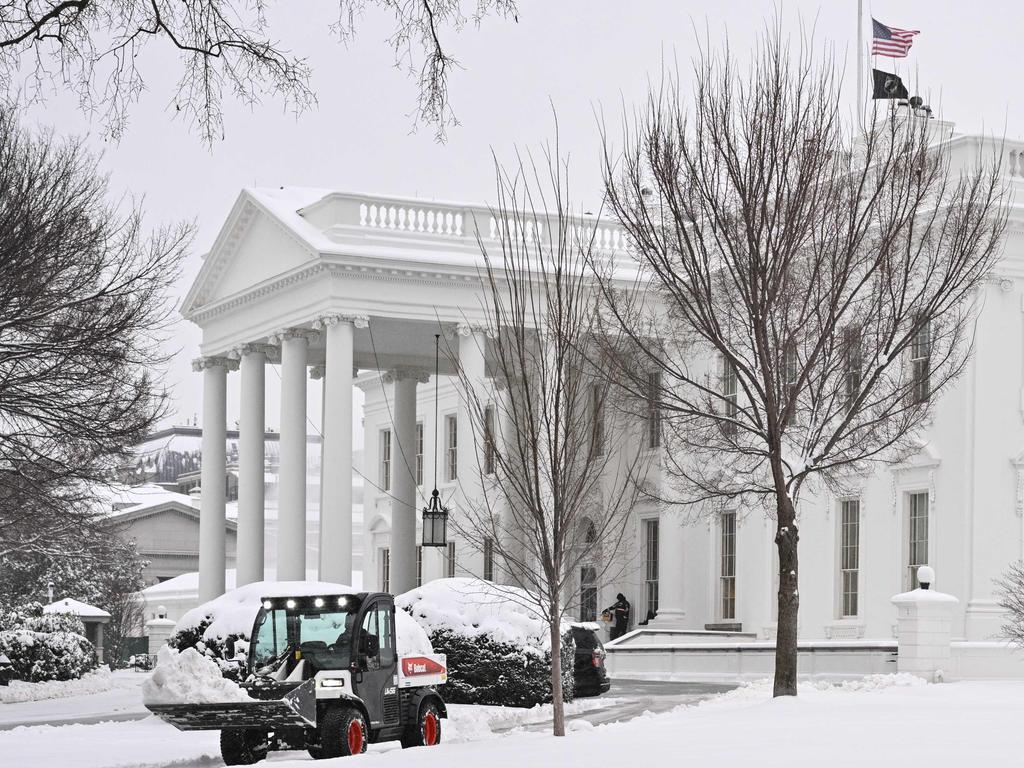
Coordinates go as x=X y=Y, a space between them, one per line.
x=231 y=616
x=761 y=690
x=189 y=678
x=19 y=692
x=473 y=607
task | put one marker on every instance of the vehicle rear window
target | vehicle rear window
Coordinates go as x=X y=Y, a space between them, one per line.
x=586 y=639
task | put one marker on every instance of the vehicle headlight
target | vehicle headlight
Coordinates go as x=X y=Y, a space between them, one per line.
x=332 y=682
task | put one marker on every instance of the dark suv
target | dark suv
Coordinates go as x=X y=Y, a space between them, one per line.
x=588 y=671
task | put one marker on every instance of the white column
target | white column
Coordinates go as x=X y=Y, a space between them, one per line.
x=470 y=463
x=291 y=512
x=336 y=470
x=404 y=508
x=251 y=464
x=510 y=571
x=212 y=477
x=671 y=540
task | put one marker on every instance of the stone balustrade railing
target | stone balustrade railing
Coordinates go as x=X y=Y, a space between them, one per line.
x=454 y=222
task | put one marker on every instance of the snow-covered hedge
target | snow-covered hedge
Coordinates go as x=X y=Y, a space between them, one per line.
x=45 y=646
x=498 y=647
x=217 y=625
x=97 y=681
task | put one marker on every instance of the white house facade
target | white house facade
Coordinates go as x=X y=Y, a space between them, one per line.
x=352 y=288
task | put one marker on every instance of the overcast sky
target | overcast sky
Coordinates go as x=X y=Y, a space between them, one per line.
x=582 y=56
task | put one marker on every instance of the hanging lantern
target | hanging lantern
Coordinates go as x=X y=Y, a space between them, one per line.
x=435 y=514
x=435 y=522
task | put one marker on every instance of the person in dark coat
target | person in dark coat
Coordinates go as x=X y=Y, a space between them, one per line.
x=620 y=615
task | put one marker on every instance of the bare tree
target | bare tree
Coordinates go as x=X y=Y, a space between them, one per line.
x=557 y=459
x=93 y=47
x=1011 y=600
x=806 y=288
x=83 y=304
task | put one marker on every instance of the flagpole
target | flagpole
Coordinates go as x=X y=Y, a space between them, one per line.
x=860 y=63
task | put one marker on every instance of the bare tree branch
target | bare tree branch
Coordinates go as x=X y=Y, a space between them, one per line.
x=92 y=47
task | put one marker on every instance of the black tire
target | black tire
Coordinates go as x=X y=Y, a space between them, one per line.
x=426 y=731
x=240 y=747
x=316 y=753
x=338 y=733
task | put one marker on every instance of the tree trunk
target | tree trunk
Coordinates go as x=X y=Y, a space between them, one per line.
x=786 y=538
x=557 y=703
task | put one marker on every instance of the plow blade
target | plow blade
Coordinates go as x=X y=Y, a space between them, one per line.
x=295 y=710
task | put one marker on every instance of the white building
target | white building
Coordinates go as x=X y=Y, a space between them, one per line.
x=354 y=287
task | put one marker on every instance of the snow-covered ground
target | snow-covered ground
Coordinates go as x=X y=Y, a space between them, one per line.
x=150 y=743
x=887 y=721
x=115 y=695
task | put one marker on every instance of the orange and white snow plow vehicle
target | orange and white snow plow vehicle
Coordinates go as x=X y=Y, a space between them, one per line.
x=323 y=673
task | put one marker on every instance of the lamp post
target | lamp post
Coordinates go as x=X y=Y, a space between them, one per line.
x=435 y=514
x=49 y=592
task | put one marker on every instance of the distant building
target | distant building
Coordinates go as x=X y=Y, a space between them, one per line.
x=164 y=526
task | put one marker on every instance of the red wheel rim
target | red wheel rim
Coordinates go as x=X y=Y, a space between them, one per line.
x=355 y=737
x=430 y=729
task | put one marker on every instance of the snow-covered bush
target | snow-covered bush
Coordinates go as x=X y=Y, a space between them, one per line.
x=497 y=645
x=215 y=626
x=45 y=647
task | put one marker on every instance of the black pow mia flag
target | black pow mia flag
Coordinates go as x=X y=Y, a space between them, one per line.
x=888 y=86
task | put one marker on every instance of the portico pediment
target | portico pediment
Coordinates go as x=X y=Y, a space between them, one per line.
x=263 y=237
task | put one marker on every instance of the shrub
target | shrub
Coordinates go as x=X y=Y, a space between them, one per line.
x=45 y=647
x=497 y=646
x=484 y=671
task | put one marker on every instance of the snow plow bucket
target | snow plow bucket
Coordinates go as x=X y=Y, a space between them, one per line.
x=297 y=709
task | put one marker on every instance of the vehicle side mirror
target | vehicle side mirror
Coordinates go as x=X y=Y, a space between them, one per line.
x=369 y=645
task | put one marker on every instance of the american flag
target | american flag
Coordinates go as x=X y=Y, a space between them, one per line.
x=889 y=41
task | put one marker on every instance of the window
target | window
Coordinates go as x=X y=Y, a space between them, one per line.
x=450 y=560
x=597 y=417
x=849 y=555
x=727 y=577
x=488 y=559
x=920 y=362
x=917 y=528
x=489 y=440
x=385 y=570
x=651 y=566
x=451 y=441
x=730 y=393
x=419 y=453
x=854 y=353
x=588 y=593
x=419 y=565
x=379 y=622
x=385 y=460
x=386 y=634
x=791 y=370
x=653 y=409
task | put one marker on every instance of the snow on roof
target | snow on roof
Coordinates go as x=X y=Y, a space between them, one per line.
x=132 y=498
x=474 y=607
x=76 y=607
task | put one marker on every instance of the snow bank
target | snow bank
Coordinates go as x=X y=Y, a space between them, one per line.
x=761 y=690
x=93 y=682
x=473 y=607
x=189 y=678
x=234 y=612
